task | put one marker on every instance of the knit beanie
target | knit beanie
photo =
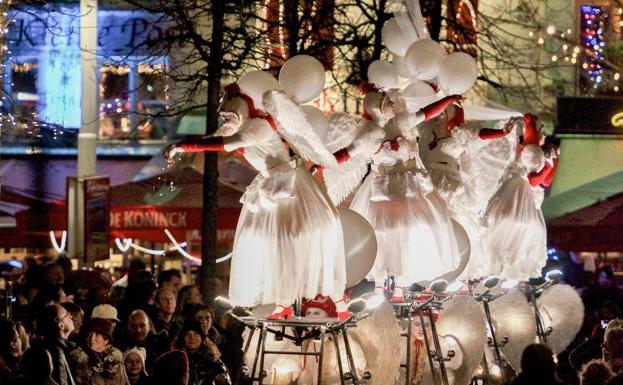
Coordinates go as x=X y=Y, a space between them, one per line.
x=140 y=352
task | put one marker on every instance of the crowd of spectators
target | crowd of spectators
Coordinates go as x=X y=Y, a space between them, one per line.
x=77 y=327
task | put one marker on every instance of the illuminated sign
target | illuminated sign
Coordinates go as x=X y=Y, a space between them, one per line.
x=617 y=119
x=590 y=115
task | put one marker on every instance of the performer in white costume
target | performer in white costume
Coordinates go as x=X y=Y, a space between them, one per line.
x=411 y=221
x=288 y=241
x=515 y=238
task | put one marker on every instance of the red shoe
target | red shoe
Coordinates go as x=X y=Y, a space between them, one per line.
x=398 y=295
x=281 y=312
x=342 y=308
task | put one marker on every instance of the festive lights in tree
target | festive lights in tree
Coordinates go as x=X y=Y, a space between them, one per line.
x=6 y=118
x=593 y=22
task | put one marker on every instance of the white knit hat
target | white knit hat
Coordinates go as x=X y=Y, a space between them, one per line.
x=141 y=352
x=105 y=311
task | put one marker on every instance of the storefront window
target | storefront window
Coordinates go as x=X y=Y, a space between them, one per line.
x=133 y=98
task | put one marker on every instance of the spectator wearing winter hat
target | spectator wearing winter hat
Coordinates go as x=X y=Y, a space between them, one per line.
x=134 y=361
x=98 y=362
x=205 y=366
x=107 y=312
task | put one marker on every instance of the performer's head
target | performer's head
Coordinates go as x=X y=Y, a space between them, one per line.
x=418 y=330
x=233 y=110
x=319 y=307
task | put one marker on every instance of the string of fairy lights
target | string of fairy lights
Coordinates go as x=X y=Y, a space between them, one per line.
x=587 y=50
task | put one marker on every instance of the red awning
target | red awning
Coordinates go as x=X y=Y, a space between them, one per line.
x=177 y=209
x=596 y=228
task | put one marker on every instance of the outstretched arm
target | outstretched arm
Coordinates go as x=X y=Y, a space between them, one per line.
x=492 y=133
x=540 y=178
x=427 y=113
x=252 y=132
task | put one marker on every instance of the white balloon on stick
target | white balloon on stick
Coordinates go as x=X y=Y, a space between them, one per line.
x=302 y=77
x=359 y=245
x=317 y=120
x=423 y=58
x=383 y=74
x=458 y=73
x=255 y=83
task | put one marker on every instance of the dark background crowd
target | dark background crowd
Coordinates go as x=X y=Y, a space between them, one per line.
x=66 y=326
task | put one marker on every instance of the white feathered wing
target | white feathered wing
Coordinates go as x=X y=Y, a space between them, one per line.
x=296 y=130
x=362 y=140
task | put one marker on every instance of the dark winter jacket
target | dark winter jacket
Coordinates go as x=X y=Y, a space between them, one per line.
x=204 y=369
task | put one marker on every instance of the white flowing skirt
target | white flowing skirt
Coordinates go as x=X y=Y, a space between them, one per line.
x=515 y=240
x=292 y=250
x=415 y=237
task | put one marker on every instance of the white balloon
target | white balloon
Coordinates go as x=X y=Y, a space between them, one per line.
x=302 y=77
x=317 y=120
x=419 y=94
x=255 y=83
x=423 y=58
x=464 y=247
x=383 y=74
x=400 y=65
x=359 y=245
x=393 y=38
x=458 y=73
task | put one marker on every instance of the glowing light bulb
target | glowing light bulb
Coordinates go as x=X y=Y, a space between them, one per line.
x=550 y=30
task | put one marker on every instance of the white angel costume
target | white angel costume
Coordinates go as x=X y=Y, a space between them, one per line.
x=515 y=238
x=411 y=221
x=288 y=241
x=466 y=165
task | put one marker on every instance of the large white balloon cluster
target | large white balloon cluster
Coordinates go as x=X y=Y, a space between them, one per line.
x=422 y=59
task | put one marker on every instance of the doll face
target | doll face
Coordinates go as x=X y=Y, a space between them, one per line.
x=417 y=331
x=233 y=111
x=315 y=313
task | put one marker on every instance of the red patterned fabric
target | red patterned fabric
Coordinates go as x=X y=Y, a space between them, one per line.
x=323 y=303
